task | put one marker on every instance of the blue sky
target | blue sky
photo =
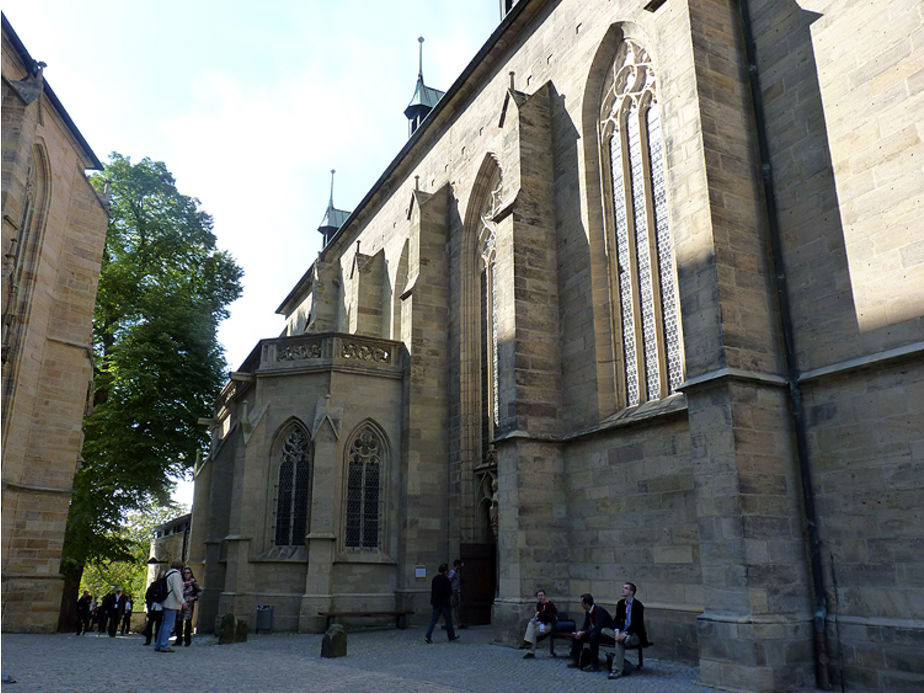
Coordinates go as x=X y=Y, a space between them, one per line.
x=250 y=105
x=251 y=108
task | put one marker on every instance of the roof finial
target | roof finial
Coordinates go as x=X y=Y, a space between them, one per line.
x=420 y=40
x=332 y=172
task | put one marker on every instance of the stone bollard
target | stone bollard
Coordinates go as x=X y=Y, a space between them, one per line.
x=334 y=643
x=226 y=629
x=240 y=633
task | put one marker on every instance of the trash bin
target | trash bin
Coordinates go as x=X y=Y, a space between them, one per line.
x=264 y=618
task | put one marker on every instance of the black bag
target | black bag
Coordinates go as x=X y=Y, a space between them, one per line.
x=158 y=591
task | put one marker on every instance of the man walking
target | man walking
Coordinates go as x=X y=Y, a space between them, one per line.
x=441 y=600
x=83 y=612
x=173 y=603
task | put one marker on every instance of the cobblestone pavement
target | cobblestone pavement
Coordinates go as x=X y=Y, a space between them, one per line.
x=382 y=661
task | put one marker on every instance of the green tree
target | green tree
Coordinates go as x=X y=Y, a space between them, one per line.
x=102 y=575
x=164 y=287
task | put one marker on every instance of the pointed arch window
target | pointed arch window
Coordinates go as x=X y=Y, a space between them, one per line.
x=644 y=283
x=366 y=459
x=487 y=255
x=21 y=257
x=293 y=490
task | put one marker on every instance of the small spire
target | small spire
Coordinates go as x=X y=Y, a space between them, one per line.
x=333 y=218
x=420 y=40
x=425 y=98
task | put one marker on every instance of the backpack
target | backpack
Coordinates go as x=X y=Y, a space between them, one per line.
x=158 y=591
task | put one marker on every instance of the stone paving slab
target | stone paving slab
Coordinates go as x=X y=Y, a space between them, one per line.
x=382 y=661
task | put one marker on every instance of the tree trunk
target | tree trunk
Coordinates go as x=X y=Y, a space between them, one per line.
x=67 y=619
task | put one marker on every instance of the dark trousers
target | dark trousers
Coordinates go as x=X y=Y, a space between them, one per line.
x=114 y=619
x=83 y=623
x=446 y=613
x=593 y=639
x=183 y=631
x=152 y=627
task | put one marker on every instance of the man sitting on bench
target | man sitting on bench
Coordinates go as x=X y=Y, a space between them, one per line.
x=540 y=624
x=630 y=627
x=595 y=620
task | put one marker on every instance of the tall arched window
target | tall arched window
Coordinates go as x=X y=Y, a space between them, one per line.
x=487 y=256
x=21 y=258
x=366 y=459
x=293 y=489
x=635 y=191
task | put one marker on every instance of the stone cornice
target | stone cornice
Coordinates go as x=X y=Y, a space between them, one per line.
x=36 y=488
x=878 y=358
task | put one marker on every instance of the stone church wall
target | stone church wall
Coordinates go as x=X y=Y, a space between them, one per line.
x=54 y=229
x=696 y=494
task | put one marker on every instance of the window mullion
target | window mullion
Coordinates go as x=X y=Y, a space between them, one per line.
x=661 y=348
x=637 y=336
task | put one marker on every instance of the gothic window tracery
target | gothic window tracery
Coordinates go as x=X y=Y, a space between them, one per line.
x=366 y=458
x=644 y=284
x=20 y=256
x=293 y=490
x=488 y=311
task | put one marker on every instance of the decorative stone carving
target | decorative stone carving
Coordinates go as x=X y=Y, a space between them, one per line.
x=324 y=410
x=297 y=352
x=364 y=352
x=495 y=507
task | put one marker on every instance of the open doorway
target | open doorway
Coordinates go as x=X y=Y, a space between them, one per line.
x=479 y=580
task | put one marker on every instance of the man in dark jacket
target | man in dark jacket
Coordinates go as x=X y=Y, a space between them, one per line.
x=441 y=600
x=155 y=612
x=114 y=606
x=630 y=627
x=83 y=612
x=596 y=618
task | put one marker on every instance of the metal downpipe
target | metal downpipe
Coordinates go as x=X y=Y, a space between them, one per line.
x=822 y=659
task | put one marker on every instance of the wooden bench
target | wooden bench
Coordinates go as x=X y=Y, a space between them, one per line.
x=563 y=629
x=609 y=648
x=606 y=644
x=400 y=616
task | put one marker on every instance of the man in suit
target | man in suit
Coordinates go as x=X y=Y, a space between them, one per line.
x=596 y=618
x=114 y=606
x=441 y=600
x=630 y=627
x=83 y=612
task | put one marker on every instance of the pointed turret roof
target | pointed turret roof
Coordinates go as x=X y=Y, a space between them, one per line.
x=424 y=99
x=333 y=218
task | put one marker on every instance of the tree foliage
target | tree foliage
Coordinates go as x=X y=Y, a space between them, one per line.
x=164 y=287
x=101 y=575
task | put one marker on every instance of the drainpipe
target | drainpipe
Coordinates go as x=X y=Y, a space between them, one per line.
x=797 y=409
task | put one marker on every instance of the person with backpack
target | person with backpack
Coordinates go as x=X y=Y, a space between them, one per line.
x=153 y=607
x=172 y=603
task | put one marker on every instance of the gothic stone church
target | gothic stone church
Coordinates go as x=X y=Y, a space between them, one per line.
x=640 y=299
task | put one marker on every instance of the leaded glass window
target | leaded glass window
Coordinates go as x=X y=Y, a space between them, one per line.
x=365 y=461
x=292 y=490
x=644 y=284
x=490 y=379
